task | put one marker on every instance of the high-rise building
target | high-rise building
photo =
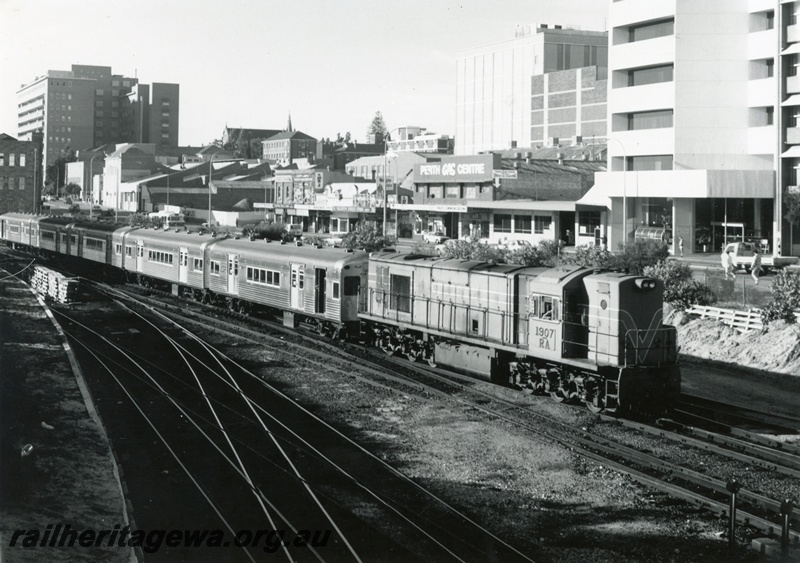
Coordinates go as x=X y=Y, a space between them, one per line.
x=703 y=104
x=89 y=106
x=495 y=86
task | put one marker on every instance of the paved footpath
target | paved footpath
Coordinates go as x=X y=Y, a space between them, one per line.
x=56 y=463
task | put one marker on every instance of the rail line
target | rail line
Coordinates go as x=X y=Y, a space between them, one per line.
x=607 y=452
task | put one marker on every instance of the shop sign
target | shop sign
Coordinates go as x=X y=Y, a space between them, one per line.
x=508 y=174
x=477 y=168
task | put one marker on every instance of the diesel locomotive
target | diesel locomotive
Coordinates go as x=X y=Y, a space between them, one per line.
x=578 y=334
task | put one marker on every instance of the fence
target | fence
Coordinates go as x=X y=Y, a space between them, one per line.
x=743 y=321
x=742 y=292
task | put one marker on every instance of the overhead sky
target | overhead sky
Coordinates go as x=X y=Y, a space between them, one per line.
x=250 y=63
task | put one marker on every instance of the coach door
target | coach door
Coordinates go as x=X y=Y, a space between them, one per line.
x=233 y=274
x=183 y=266
x=139 y=256
x=320 y=290
x=298 y=282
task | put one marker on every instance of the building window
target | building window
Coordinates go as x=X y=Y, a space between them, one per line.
x=770 y=111
x=651 y=30
x=12 y=159
x=214 y=267
x=22 y=159
x=588 y=221
x=2 y=159
x=770 y=67
x=653 y=162
x=651 y=75
x=770 y=17
x=22 y=182
x=99 y=92
x=650 y=120
x=522 y=224
x=502 y=223
x=541 y=223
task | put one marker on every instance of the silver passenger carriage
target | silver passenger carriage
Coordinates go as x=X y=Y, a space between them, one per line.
x=318 y=286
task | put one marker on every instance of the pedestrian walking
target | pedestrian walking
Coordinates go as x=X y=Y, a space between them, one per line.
x=727 y=264
x=680 y=245
x=756 y=269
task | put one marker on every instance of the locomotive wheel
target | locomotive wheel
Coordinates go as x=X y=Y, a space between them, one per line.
x=558 y=396
x=594 y=408
x=385 y=343
x=412 y=353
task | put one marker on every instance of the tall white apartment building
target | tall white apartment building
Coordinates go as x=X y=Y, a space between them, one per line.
x=702 y=106
x=494 y=84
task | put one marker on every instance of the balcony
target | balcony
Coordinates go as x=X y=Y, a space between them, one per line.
x=793 y=33
x=792 y=84
x=793 y=135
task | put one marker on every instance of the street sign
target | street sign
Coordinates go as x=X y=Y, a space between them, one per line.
x=509 y=174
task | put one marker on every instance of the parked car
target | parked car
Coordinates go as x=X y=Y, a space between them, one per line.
x=514 y=244
x=434 y=237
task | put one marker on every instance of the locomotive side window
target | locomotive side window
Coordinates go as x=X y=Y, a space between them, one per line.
x=400 y=293
x=336 y=290
x=545 y=307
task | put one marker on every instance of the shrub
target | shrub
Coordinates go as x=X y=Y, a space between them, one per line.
x=365 y=236
x=590 y=256
x=640 y=254
x=785 y=298
x=543 y=254
x=680 y=289
x=271 y=231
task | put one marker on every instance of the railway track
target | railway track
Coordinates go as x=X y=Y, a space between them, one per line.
x=673 y=478
x=696 y=487
x=445 y=530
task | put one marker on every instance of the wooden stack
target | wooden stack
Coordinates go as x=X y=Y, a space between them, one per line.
x=54 y=285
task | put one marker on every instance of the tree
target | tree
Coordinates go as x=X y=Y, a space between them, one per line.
x=242 y=146
x=378 y=126
x=791 y=207
x=680 y=289
x=365 y=236
x=72 y=189
x=56 y=173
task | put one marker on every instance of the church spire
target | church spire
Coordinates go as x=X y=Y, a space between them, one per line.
x=289 y=124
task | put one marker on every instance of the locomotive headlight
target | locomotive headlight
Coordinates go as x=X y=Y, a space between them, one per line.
x=646 y=284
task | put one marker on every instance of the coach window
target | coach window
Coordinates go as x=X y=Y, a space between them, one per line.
x=214 y=267
x=117 y=249
x=197 y=264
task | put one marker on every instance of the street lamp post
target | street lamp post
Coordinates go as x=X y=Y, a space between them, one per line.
x=385 y=164
x=210 y=170
x=624 y=192
x=91 y=187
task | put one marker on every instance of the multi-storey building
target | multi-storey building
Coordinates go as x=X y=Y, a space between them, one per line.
x=494 y=85
x=20 y=176
x=700 y=121
x=287 y=146
x=89 y=106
